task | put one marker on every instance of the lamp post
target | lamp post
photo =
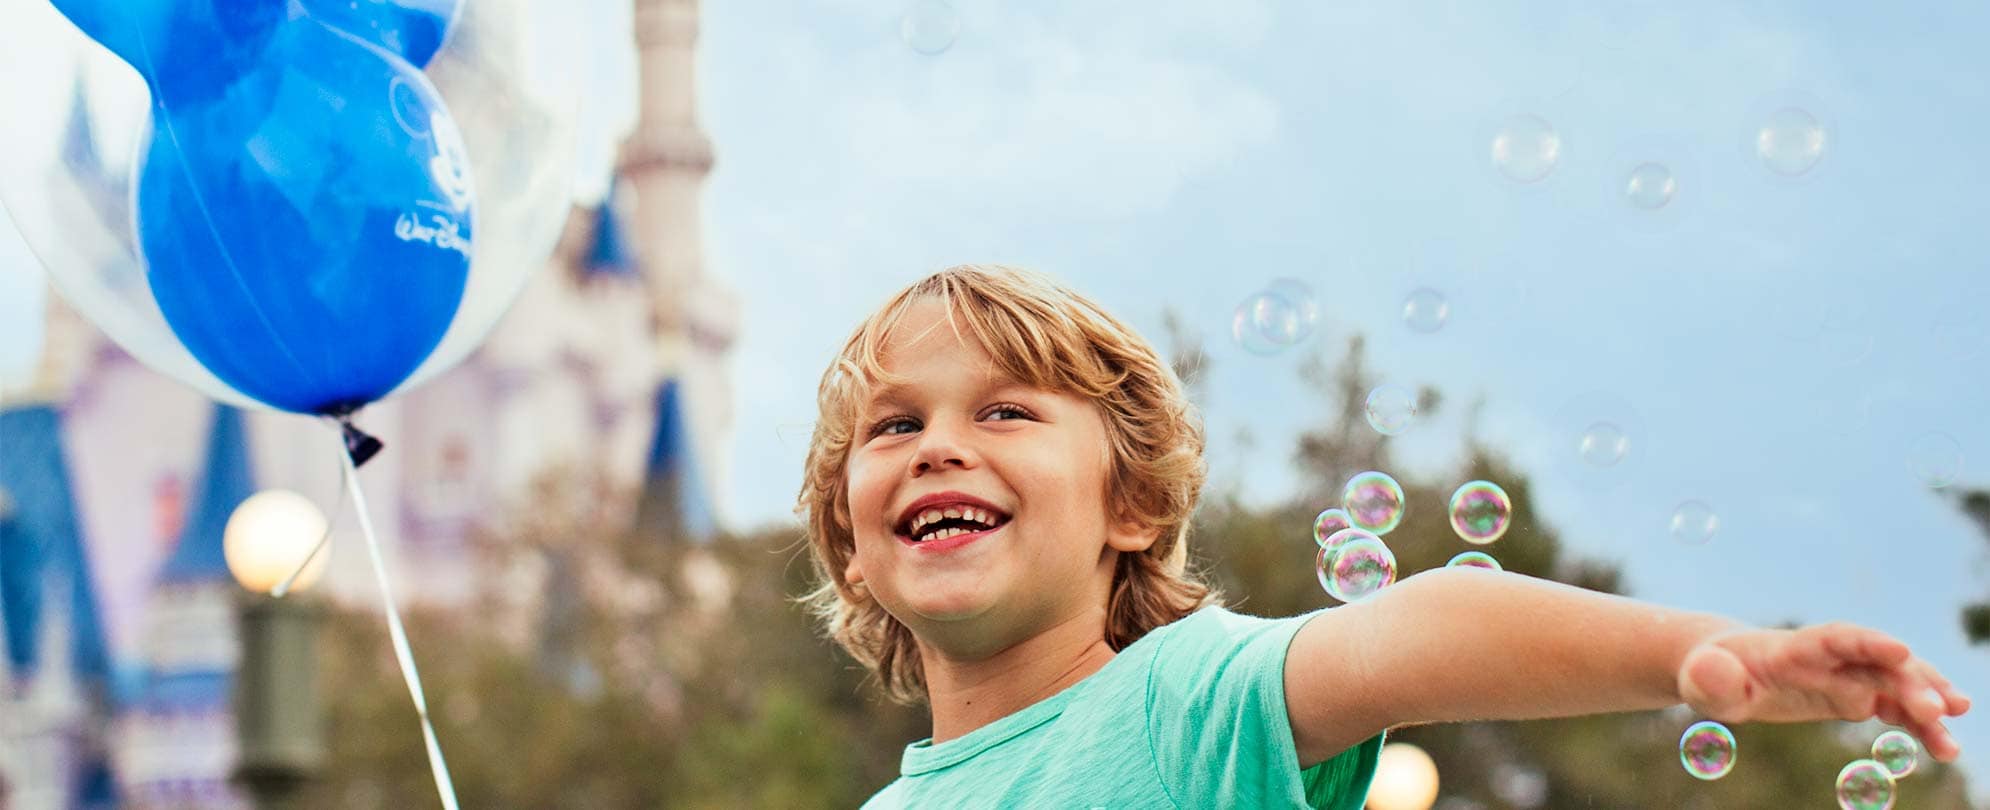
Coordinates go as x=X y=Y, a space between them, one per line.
x=278 y=720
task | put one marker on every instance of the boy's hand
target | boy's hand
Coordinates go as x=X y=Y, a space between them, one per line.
x=1821 y=672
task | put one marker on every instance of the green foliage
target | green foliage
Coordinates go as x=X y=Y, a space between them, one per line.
x=1976 y=617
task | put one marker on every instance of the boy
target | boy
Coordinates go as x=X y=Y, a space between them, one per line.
x=998 y=494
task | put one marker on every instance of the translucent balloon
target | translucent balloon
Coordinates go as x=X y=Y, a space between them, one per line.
x=1707 y=749
x=1374 y=501
x=930 y=27
x=1425 y=310
x=1328 y=523
x=1694 y=523
x=1480 y=512
x=1474 y=559
x=1526 y=149
x=1898 y=752
x=1391 y=409
x=504 y=74
x=1865 y=785
x=1356 y=569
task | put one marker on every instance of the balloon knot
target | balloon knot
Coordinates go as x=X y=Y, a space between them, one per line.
x=358 y=444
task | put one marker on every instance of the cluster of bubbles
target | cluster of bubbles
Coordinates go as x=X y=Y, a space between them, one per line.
x=1872 y=784
x=1788 y=141
x=1353 y=562
x=1275 y=318
x=930 y=27
x=1707 y=750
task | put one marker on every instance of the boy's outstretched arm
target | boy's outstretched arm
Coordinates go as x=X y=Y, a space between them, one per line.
x=1460 y=644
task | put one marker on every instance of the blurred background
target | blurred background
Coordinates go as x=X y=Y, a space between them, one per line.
x=1700 y=285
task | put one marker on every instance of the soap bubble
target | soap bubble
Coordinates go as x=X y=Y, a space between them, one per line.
x=1526 y=148
x=1649 y=186
x=1480 y=512
x=1330 y=522
x=1474 y=559
x=1603 y=444
x=1425 y=310
x=1266 y=324
x=1391 y=409
x=930 y=27
x=1694 y=523
x=1790 y=141
x=1898 y=752
x=1935 y=459
x=1374 y=501
x=1865 y=785
x=1357 y=568
x=1340 y=538
x=1707 y=749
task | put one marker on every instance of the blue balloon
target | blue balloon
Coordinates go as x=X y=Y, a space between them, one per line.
x=411 y=29
x=307 y=230
x=187 y=50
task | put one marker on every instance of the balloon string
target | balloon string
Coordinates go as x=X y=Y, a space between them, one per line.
x=288 y=582
x=402 y=653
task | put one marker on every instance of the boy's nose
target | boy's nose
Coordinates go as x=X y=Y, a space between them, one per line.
x=939 y=447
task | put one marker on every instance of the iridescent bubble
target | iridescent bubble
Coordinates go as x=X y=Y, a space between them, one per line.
x=1865 y=785
x=930 y=27
x=1374 y=501
x=1340 y=538
x=1526 y=149
x=1264 y=324
x=1426 y=310
x=1356 y=569
x=1650 y=186
x=1603 y=444
x=1898 y=752
x=1330 y=522
x=1790 y=141
x=1935 y=458
x=1707 y=749
x=1474 y=559
x=1694 y=523
x=1391 y=409
x=1480 y=512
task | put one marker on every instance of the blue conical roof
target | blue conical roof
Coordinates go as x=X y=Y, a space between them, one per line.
x=609 y=254
x=671 y=478
x=41 y=544
x=226 y=480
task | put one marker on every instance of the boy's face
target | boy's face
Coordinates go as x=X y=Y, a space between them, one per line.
x=1036 y=550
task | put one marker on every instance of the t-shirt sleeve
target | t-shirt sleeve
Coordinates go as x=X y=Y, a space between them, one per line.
x=1217 y=723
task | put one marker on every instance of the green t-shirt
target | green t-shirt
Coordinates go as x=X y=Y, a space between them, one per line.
x=1190 y=716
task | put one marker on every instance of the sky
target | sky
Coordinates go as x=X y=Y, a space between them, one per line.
x=1777 y=348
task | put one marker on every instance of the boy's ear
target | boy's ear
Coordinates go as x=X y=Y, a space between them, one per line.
x=1132 y=536
x=853 y=573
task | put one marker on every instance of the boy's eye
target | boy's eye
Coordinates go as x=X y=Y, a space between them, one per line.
x=1010 y=409
x=892 y=425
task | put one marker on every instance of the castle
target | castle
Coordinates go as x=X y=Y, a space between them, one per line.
x=117 y=631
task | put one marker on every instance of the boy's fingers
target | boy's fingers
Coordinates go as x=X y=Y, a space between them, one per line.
x=1955 y=701
x=1859 y=645
x=1921 y=701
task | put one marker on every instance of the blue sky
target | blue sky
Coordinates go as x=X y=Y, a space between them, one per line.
x=1780 y=343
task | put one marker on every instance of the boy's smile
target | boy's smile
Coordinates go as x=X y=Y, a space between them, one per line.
x=974 y=496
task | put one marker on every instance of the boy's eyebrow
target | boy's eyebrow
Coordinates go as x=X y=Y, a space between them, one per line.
x=896 y=393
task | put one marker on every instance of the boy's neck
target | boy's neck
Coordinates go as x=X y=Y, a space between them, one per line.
x=968 y=694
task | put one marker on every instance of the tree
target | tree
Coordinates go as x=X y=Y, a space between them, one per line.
x=1976 y=617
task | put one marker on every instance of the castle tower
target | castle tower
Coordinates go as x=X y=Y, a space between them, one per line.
x=666 y=161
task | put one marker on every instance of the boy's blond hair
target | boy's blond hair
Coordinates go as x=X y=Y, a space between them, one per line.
x=1045 y=335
